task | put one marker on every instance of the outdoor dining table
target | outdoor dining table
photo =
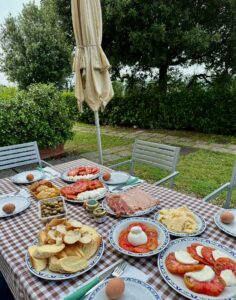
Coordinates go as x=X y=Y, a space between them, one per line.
x=19 y=232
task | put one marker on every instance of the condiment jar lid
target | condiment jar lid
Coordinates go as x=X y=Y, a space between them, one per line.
x=99 y=212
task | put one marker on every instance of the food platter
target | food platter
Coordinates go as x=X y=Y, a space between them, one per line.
x=117 y=177
x=20 y=178
x=21 y=204
x=71 y=179
x=228 y=228
x=134 y=289
x=99 y=197
x=163 y=235
x=201 y=226
x=176 y=282
x=136 y=214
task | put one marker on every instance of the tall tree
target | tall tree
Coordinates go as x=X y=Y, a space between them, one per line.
x=34 y=49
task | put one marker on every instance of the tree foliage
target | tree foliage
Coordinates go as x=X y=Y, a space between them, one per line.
x=34 y=48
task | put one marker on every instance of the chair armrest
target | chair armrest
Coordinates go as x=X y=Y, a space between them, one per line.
x=216 y=192
x=120 y=164
x=167 y=178
x=46 y=163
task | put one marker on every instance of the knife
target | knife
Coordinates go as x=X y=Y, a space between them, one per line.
x=129 y=182
x=81 y=292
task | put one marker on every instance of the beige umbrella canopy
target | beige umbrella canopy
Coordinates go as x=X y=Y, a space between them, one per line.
x=92 y=83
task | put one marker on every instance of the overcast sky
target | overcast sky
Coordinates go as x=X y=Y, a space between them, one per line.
x=13 y=7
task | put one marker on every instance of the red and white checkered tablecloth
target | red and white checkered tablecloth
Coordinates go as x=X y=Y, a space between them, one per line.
x=17 y=233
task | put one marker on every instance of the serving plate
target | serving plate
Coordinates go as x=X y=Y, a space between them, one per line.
x=201 y=226
x=21 y=203
x=163 y=235
x=177 y=283
x=136 y=214
x=134 y=289
x=66 y=178
x=99 y=197
x=48 y=275
x=117 y=177
x=21 y=177
x=228 y=228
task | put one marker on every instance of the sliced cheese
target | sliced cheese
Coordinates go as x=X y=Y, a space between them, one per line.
x=206 y=274
x=91 y=194
x=185 y=258
x=199 y=250
x=219 y=254
x=228 y=277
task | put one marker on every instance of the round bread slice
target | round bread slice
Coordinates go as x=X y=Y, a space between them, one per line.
x=73 y=264
x=47 y=251
x=91 y=248
x=37 y=264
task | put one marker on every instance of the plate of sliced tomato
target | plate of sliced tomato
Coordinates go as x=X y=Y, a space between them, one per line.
x=206 y=254
x=157 y=237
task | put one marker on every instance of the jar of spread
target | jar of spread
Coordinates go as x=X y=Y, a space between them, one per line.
x=100 y=215
x=91 y=205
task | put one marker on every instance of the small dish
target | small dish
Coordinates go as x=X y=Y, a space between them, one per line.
x=21 y=177
x=21 y=204
x=43 y=205
x=228 y=228
x=117 y=177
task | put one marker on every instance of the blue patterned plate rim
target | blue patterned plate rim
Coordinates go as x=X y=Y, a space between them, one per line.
x=139 y=219
x=136 y=214
x=63 y=176
x=218 y=222
x=139 y=283
x=200 y=230
x=185 y=291
x=60 y=276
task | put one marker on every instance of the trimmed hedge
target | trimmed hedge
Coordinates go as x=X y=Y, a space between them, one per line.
x=208 y=110
x=37 y=114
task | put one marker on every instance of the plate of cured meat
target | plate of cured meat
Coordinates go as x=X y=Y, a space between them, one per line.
x=132 y=203
x=200 y=269
x=75 y=174
x=84 y=190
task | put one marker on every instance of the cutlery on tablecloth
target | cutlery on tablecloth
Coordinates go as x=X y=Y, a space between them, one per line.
x=114 y=271
x=51 y=172
x=131 y=182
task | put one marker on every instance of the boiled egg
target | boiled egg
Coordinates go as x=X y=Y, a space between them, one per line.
x=227 y=217
x=137 y=236
x=199 y=250
x=185 y=258
x=229 y=277
x=115 y=288
x=206 y=274
x=219 y=254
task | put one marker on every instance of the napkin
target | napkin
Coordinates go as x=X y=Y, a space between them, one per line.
x=112 y=188
x=49 y=173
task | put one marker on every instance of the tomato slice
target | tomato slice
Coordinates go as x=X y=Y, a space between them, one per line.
x=212 y=288
x=207 y=254
x=175 y=267
x=192 y=251
x=224 y=263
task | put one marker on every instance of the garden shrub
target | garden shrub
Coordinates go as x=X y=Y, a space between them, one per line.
x=7 y=92
x=37 y=114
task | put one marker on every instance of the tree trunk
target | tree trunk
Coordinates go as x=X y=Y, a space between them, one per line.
x=163 y=78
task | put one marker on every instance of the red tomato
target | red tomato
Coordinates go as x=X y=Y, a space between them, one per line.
x=207 y=254
x=175 y=267
x=192 y=251
x=224 y=263
x=213 y=288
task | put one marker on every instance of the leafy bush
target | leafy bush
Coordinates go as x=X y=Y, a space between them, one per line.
x=209 y=110
x=71 y=103
x=37 y=114
x=7 y=92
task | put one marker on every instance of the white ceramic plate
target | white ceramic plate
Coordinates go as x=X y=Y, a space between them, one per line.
x=48 y=275
x=21 y=204
x=70 y=180
x=163 y=235
x=201 y=226
x=99 y=197
x=136 y=214
x=177 y=283
x=135 y=289
x=21 y=177
x=117 y=177
x=228 y=228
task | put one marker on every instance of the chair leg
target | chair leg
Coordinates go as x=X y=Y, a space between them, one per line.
x=171 y=183
x=228 y=198
x=131 y=168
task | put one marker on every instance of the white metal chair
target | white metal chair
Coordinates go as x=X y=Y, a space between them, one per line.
x=227 y=186
x=158 y=155
x=20 y=155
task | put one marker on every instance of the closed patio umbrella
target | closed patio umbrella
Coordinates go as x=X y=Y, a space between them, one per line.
x=92 y=79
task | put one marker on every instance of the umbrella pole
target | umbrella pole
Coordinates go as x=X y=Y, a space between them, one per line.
x=98 y=137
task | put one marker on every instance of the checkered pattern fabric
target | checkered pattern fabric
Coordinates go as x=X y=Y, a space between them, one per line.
x=17 y=233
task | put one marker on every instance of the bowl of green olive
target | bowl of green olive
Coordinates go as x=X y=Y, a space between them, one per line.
x=53 y=208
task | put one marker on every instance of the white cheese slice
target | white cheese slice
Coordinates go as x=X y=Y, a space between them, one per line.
x=228 y=277
x=185 y=258
x=206 y=274
x=218 y=254
x=199 y=251
x=91 y=194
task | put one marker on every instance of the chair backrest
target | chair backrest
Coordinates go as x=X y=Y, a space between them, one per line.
x=19 y=155
x=158 y=155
